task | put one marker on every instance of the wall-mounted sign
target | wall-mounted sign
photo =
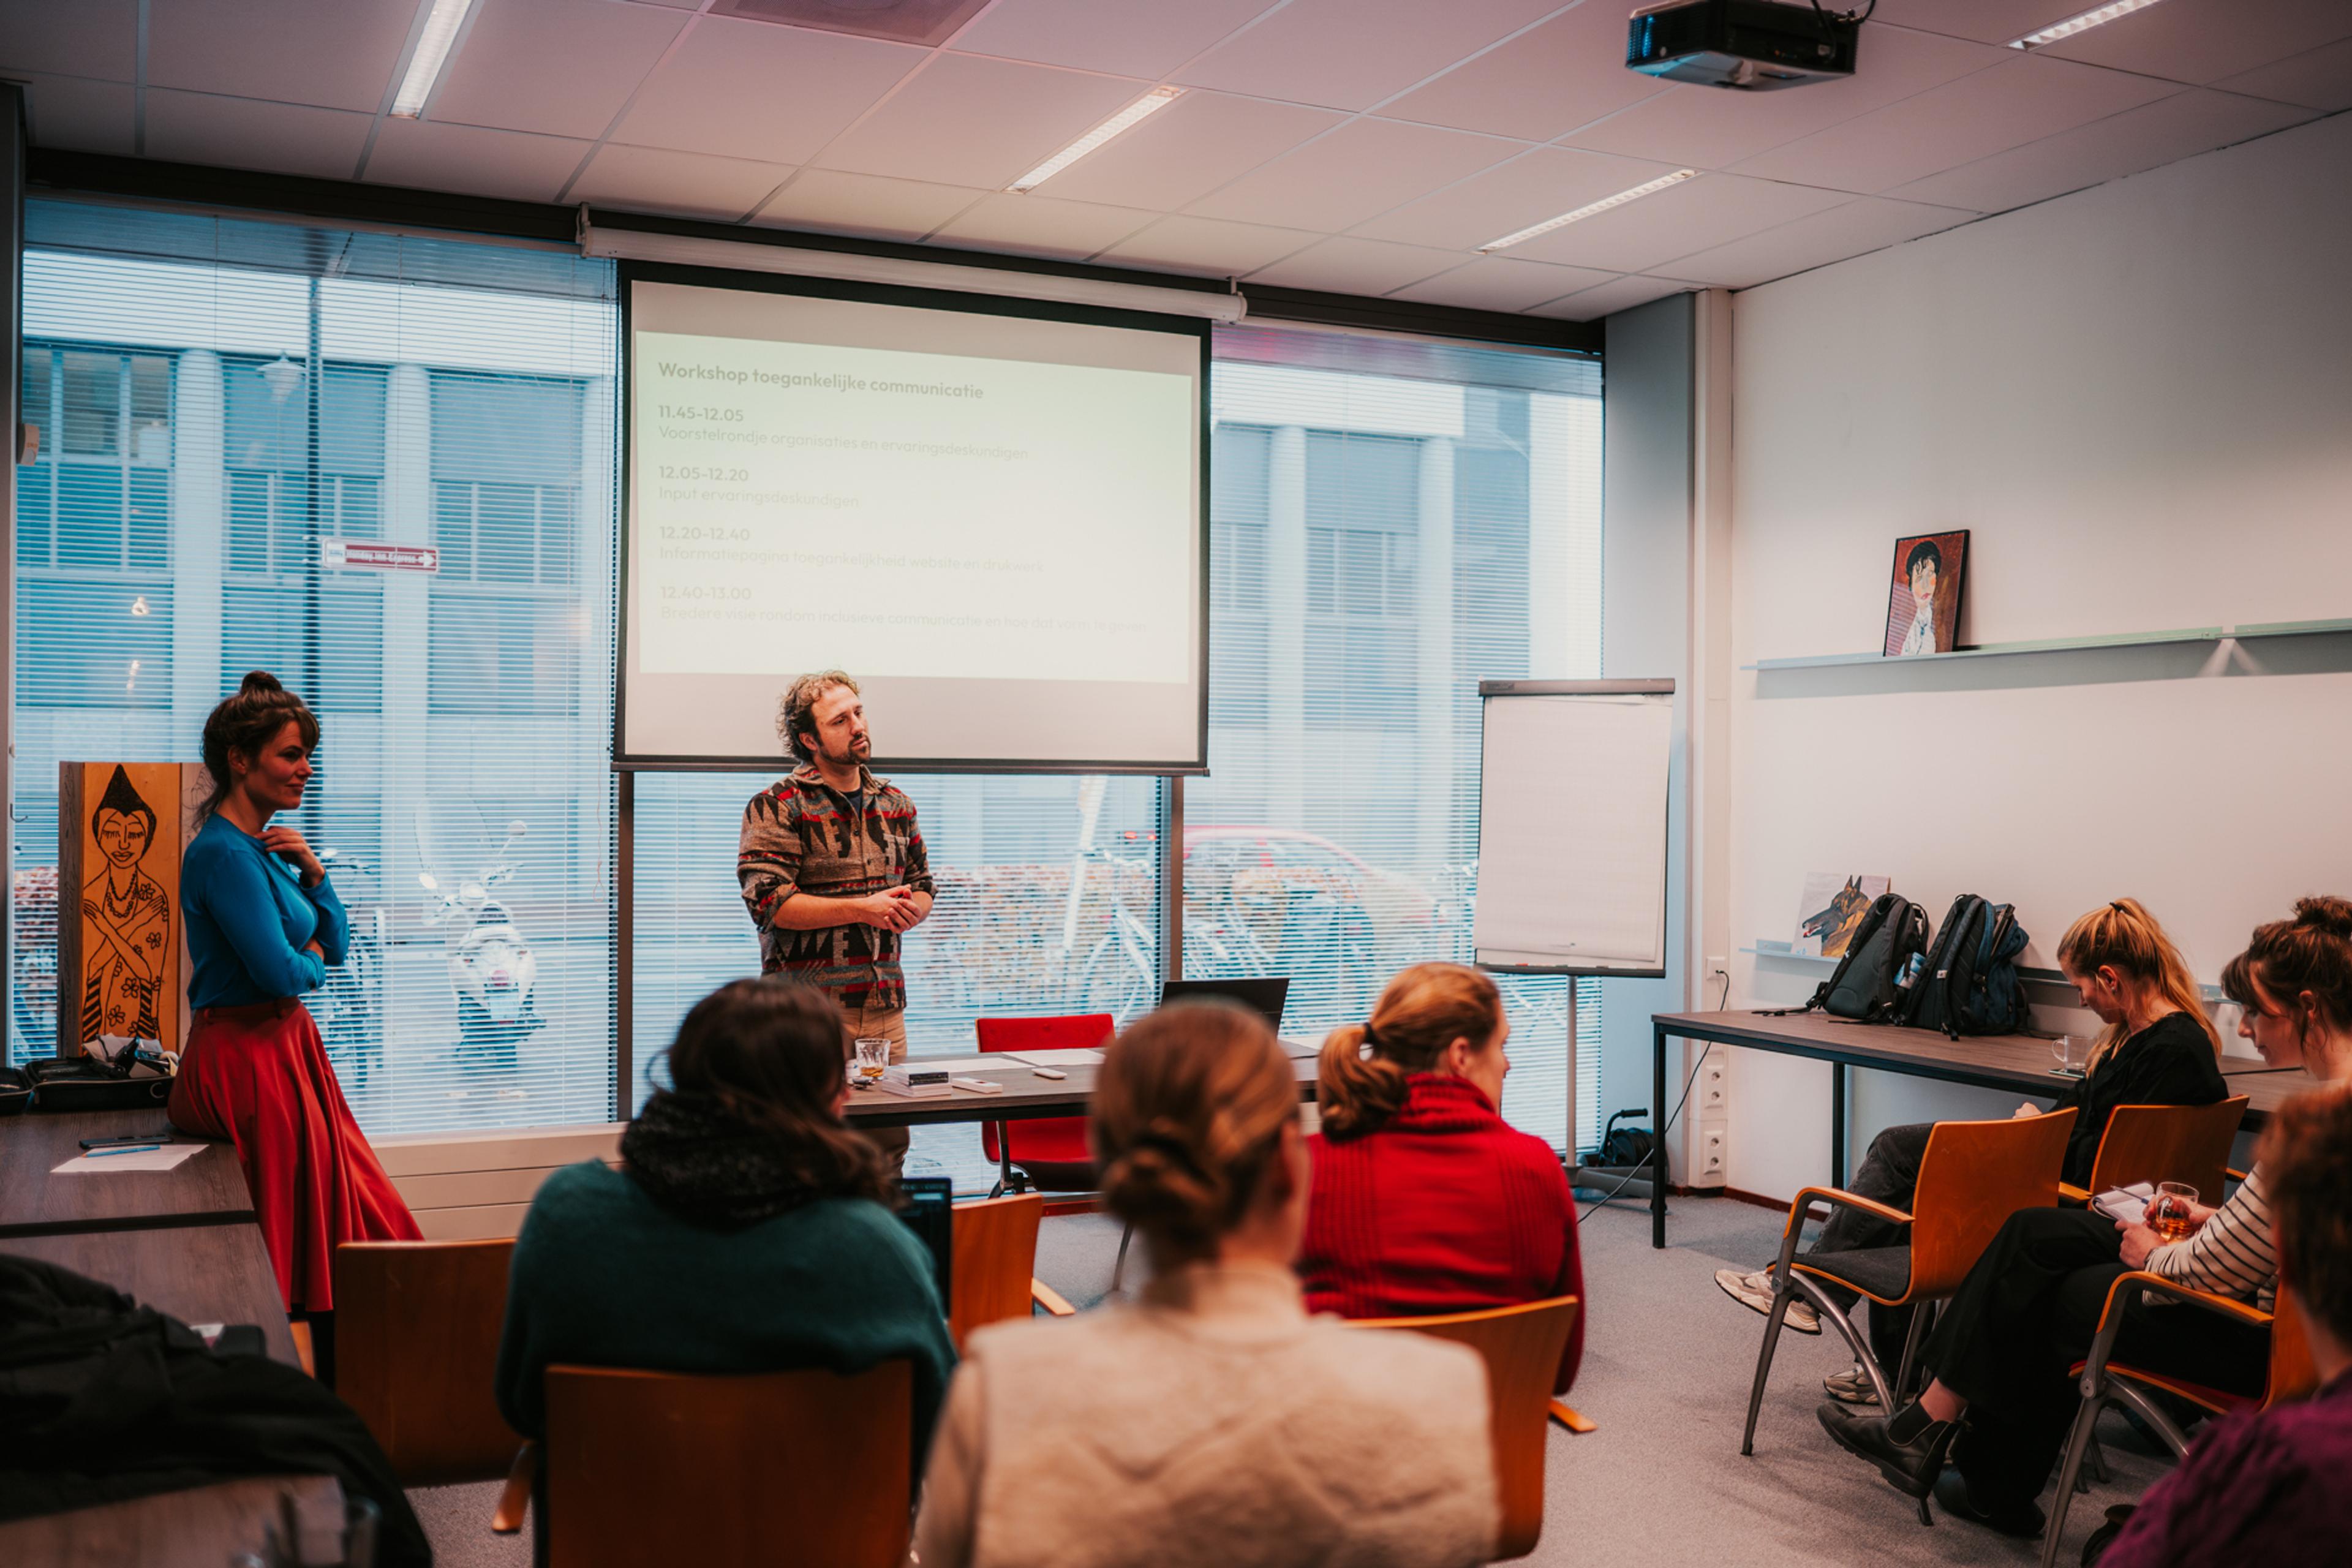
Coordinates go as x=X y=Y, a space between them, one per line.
x=374 y=555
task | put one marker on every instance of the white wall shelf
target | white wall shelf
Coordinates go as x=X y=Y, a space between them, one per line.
x=1766 y=948
x=2069 y=645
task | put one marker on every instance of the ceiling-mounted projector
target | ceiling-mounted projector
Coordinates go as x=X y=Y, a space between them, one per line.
x=1754 y=45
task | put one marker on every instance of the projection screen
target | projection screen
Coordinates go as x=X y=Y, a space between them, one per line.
x=991 y=512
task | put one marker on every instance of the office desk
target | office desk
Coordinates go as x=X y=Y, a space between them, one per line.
x=198 y=1274
x=2019 y=1063
x=207 y=1189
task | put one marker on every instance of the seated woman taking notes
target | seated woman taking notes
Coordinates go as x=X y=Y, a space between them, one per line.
x=1424 y=1199
x=749 y=1231
x=1213 y=1422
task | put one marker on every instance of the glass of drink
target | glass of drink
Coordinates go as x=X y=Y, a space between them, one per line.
x=2069 y=1061
x=873 y=1055
x=2168 y=1212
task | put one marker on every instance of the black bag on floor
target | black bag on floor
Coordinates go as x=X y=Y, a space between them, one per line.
x=1971 y=984
x=1866 y=985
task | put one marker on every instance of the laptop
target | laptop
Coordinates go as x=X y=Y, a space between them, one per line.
x=930 y=1215
x=1265 y=997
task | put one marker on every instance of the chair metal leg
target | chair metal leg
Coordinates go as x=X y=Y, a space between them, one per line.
x=1118 y=1269
x=2077 y=1441
x=1764 y=1364
x=2099 y=1459
x=1921 y=1312
x=1855 y=1341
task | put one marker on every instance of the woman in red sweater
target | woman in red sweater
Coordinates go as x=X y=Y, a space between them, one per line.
x=1424 y=1200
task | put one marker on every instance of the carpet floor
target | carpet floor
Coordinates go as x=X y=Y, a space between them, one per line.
x=1667 y=1362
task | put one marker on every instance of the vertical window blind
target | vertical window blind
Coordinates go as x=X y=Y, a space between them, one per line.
x=218 y=402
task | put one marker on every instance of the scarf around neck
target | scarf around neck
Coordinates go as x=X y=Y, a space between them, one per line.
x=707 y=1164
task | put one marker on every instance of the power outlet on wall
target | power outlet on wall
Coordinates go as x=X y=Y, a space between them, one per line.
x=1710 y=1154
x=1713 y=1089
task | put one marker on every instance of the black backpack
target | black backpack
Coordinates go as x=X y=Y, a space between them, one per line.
x=1970 y=986
x=1865 y=984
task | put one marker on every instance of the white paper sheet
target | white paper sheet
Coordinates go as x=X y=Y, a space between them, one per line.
x=167 y=1158
x=1083 y=1058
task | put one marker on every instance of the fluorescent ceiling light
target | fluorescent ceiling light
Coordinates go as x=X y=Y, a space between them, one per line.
x=1127 y=119
x=432 y=53
x=1602 y=205
x=2082 y=24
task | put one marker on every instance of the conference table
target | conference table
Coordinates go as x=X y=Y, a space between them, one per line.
x=2019 y=1063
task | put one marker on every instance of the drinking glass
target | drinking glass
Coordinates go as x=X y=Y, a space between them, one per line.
x=873 y=1055
x=2070 y=1061
x=2168 y=1212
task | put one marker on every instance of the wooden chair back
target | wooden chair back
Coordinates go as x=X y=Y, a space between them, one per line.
x=994 y=1254
x=1521 y=1346
x=417 y=1353
x=2293 y=1376
x=1973 y=1177
x=2169 y=1144
x=774 y=1469
x=1058 y=1140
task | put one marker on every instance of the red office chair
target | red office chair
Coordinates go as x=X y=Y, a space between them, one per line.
x=1050 y=1154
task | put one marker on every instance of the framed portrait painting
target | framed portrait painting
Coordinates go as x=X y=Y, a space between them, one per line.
x=1923 y=596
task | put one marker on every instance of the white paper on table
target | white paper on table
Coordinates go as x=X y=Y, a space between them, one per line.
x=955 y=1064
x=1298 y=1049
x=167 y=1158
x=1082 y=1058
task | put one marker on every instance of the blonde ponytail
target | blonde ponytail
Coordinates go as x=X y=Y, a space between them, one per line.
x=1360 y=1077
x=2124 y=936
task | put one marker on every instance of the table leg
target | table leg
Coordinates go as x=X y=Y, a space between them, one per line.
x=1658 y=1146
x=1837 y=1124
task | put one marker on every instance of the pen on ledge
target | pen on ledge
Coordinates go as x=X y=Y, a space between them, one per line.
x=134 y=1149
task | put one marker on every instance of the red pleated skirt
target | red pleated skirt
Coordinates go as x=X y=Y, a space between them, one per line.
x=260 y=1077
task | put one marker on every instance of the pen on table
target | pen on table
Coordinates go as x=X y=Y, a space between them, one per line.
x=134 y=1149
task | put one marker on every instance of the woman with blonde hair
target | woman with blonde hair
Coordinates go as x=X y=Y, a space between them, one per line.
x=1212 y=1421
x=1425 y=1200
x=2159 y=1049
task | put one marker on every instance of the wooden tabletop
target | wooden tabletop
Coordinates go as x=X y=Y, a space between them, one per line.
x=203 y=1527
x=2018 y=1062
x=1026 y=1097
x=207 y=1188
x=198 y=1274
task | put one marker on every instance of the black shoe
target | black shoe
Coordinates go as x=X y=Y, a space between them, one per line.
x=2021 y=1519
x=1911 y=1468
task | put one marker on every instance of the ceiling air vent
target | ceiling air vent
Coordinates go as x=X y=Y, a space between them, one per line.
x=926 y=22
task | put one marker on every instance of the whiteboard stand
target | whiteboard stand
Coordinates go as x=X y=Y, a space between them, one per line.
x=1573 y=834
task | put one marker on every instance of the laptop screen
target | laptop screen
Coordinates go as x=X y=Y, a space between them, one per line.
x=1265 y=997
x=930 y=1215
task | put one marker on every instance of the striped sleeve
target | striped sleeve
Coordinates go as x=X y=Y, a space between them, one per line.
x=2233 y=1254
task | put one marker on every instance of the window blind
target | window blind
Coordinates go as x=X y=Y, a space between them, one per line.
x=217 y=400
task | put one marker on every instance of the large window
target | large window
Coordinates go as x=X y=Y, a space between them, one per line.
x=215 y=400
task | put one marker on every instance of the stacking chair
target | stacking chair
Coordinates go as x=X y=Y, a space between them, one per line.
x=1521 y=1346
x=1973 y=1177
x=773 y=1468
x=416 y=1350
x=1050 y=1152
x=2165 y=1144
x=994 y=1251
x=2106 y=1381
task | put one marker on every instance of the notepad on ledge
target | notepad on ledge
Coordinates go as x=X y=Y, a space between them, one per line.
x=166 y=1158
x=1079 y=1058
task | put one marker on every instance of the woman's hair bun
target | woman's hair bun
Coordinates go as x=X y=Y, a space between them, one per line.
x=1157 y=1185
x=259 y=681
x=2325 y=912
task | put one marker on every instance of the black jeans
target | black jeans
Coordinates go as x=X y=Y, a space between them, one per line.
x=1889 y=1173
x=2027 y=1312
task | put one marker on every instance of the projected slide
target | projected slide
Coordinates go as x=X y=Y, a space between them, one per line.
x=993 y=521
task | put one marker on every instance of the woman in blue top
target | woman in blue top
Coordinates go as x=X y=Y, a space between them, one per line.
x=263 y=923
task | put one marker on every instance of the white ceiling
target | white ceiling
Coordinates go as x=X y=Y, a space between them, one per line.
x=1357 y=146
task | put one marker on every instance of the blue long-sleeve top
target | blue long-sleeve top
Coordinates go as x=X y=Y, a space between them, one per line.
x=249 y=919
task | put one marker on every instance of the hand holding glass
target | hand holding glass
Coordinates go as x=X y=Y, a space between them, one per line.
x=2170 y=1213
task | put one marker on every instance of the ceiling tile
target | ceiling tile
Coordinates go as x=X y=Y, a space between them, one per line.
x=79 y=115
x=1041 y=226
x=1697 y=214
x=563 y=68
x=2204 y=40
x=1858 y=226
x=1357 y=267
x=1991 y=112
x=1624 y=294
x=836 y=203
x=1145 y=39
x=749 y=89
x=1188 y=149
x=1350 y=54
x=294 y=51
x=1987 y=21
x=2320 y=79
x=1527 y=190
x=1357 y=172
x=2155 y=133
x=1208 y=245
x=246 y=133
x=1547 y=82
x=654 y=179
x=90 y=38
x=1502 y=283
x=1710 y=129
x=967 y=122
x=470 y=161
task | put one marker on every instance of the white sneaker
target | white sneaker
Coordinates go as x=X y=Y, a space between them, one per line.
x=1755 y=1291
x=1850 y=1387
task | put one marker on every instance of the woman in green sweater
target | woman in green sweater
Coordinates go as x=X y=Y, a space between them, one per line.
x=749 y=1231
